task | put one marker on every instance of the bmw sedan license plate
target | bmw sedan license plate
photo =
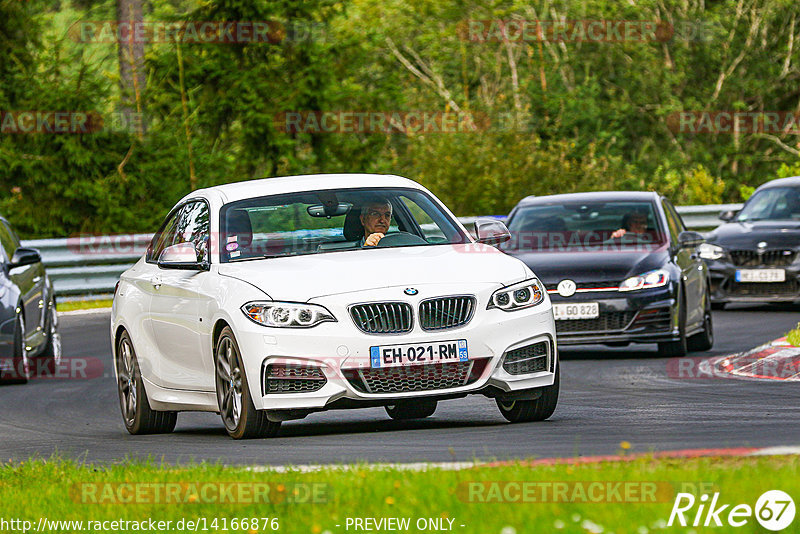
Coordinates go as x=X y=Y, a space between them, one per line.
x=418 y=353
x=584 y=310
x=760 y=275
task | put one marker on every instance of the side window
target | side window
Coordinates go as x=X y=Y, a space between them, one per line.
x=193 y=227
x=163 y=238
x=8 y=240
x=430 y=230
x=674 y=228
x=677 y=217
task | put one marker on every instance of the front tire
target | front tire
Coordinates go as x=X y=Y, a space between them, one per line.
x=52 y=350
x=239 y=415
x=524 y=411
x=137 y=415
x=417 y=409
x=20 y=371
x=704 y=340
x=678 y=348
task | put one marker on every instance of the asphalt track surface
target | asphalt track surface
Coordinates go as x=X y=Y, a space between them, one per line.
x=607 y=395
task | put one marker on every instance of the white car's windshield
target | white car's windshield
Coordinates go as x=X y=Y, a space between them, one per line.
x=775 y=203
x=332 y=220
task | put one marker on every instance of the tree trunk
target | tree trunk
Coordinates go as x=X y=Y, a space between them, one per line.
x=132 y=76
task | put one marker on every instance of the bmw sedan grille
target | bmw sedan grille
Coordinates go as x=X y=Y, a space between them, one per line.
x=446 y=312
x=383 y=317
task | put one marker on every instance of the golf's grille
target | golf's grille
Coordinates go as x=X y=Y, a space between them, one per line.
x=610 y=286
x=607 y=322
x=764 y=289
x=446 y=312
x=279 y=378
x=528 y=359
x=415 y=377
x=767 y=258
x=383 y=317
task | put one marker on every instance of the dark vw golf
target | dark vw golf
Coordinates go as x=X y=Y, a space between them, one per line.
x=619 y=267
x=753 y=257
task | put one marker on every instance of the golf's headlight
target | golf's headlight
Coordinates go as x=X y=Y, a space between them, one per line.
x=647 y=280
x=518 y=296
x=287 y=314
x=707 y=251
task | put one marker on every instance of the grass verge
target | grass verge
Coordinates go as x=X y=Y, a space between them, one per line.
x=72 y=305
x=483 y=500
x=793 y=336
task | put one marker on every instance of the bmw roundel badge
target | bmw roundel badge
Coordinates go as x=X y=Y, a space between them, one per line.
x=410 y=291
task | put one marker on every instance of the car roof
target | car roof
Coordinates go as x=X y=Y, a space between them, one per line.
x=792 y=181
x=596 y=196
x=293 y=184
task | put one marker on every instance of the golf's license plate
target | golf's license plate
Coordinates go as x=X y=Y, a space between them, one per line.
x=584 y=310
x=418 y=353
x=760 y=275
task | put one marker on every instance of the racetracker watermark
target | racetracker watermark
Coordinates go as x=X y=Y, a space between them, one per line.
x=699 y=368
x=406 y=122
x=198 y=32
x=68 y=122
x=598 y=31
x=572 y=491
x=729 y=122
x=201 y=493
x=76 y=368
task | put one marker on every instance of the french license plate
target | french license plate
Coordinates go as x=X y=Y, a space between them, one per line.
x=418 y=353
x=584 y=310
x=760 y=275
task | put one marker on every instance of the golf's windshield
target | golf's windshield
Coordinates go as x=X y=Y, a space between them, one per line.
x=773 y=204
x=332 y=220
x=585 y=226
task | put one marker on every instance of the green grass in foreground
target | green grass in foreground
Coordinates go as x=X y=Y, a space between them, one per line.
x=72 y=305
x=793 y=336
x=63 y=490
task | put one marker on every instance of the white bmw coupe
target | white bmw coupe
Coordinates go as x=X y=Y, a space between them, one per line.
x=272 y=299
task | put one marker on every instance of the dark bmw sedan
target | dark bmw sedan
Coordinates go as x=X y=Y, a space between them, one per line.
x=619 y=267
x=753 y=257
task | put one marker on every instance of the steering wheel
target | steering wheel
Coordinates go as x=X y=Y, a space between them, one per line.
x=399 y=239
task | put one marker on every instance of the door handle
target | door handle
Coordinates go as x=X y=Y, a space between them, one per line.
x=156 y=281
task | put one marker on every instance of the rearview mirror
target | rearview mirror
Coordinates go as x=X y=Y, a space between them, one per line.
x=728 y=216
x=322 y=210
x=181 y=256
x=491 y=231
x=690 y=239
x=25 y=256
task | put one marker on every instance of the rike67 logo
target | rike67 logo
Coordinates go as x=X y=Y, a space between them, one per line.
x=774 y=510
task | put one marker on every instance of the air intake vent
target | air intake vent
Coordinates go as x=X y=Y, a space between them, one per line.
x=279 y=378
x=383 y=317
x=528 y=359
x=446 y=312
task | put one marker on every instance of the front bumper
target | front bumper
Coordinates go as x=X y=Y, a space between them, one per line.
x=725 y=288
x=341 y=351
x=644 y=316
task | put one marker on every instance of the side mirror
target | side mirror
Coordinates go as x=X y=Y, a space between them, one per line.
x=181 y=256
x=728 y=216
x=25 y=256
x=491 y=232
x=690 y=239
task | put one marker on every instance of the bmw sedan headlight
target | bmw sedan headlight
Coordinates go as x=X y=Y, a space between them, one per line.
x=518 y=296
x=657 y=278
x=287 y=314
x=707 y=251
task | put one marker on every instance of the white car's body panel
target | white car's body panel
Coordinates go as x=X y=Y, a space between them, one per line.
x=172 y=315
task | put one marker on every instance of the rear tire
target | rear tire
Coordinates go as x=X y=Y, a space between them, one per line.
x=137 y=415
x=239 y=414
x=416 y=409
x=524 y=411
x=52 y=350
x=21 y=371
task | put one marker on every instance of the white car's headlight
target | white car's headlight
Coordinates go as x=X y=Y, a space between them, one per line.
x=647 y=280
x=518 y=296
x=707 y=251
x=287 y=314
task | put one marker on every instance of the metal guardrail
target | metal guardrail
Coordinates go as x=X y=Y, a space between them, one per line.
x=91 y=265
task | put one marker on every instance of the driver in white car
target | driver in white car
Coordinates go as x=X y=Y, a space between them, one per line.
x=375 y=218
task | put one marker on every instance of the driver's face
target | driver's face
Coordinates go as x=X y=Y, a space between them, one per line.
x=377 y=218
x=638 y=225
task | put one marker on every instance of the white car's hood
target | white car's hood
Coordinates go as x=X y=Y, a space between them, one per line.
x=301 y=278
